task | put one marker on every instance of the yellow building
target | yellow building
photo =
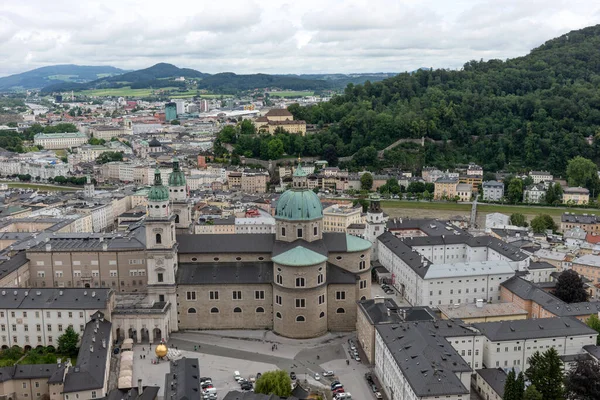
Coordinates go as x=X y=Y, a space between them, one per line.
x=445 y=188
x=576 y=195
x=280 y=118
x=338 y=218
x=482 y=312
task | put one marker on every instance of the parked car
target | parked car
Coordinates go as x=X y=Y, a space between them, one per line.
x=205 y=379
x=317 y=377
x=337 y=386
x=293 y=375
x=345 y=396
x=378 y=395
x=328 y=373
x=334 y=383
x=338 y=391
x=357 y=358
x=246 y=386
x=237 y=376
x=374 y=388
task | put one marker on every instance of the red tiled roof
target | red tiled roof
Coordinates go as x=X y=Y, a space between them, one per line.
x=594 y=239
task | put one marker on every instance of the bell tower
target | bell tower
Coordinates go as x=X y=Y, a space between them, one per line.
x=376 y=221
x=178 y=195
x=161 y=248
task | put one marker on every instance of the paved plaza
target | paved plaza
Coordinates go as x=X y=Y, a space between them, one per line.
x=220 y=353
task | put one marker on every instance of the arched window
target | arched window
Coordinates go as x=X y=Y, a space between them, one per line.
x=260 y=310
x=363 y=298
x=340 y=311
x=300 y=318
x=362 y=265
x=322 y=314
x=320 y=279
x=237 y=310
x=300 y=282
x=176 y=218
x=191 y=310
x=158 y=238
x=214 y=310
x=279 y=279
x=278 y=315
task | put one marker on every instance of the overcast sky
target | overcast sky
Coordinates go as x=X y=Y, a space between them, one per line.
x=280 y=36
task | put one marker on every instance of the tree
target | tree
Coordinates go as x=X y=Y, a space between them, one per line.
x=518 y=219
x=570 y=287
x=545 y=372
x=175 y=122
x=96 y=141
x=109 y=156
x=583 y=172
x=583 y=381
x=247 y=127
x=67 y=342
x=276 y=149
x=554 y=194
x=515 y=190
x=274 y=382
x=366 y=181
x=510 y=386
x=594 y=322
x=531 y=393
x=543 y=222
x=330 y=155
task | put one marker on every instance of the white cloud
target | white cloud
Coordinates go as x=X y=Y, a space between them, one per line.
x=246 y=36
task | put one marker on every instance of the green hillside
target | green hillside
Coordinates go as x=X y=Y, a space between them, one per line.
x=41 y=77
x=533 y=112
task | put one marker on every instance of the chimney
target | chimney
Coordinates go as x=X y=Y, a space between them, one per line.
x=48 y=247
x=140 y=388
x=104 y=344
x=379 y=299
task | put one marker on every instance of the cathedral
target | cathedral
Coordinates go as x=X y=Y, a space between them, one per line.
x=299 y=282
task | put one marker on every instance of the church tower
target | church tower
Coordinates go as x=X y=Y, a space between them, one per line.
x=178 y=195
x=376 y=221
x=88 y=188
x=161 y=248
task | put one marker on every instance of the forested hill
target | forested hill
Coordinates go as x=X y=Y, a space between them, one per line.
x=534 y=111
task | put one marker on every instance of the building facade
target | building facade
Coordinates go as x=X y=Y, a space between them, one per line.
x=493 y=190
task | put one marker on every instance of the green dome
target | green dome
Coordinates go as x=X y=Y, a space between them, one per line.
x=158 y=192
x=177 y=177
x=297 y=205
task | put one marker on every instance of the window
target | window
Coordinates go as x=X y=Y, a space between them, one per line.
x=259 y=294
x=237 y=310
x=300 y=318
x=260 y=310
x=81 y=314
x=176 y=218
x=14 y=328
x=213 y=295
x=24 y=385
x=70 y=314
x=279 y=279
x=49 y=339
x=278 y=315
x=315 y=231
x=363 y=284
x=277 y=299
x=214 y=310
x=158 y=238
x=300 y=303
x=362 y=265
x=282 y=231
x=26 y=328
x=160 y=277
x=322 y=314
x=93 y=394
x=38 y=327
x=299 y=232
x=320 y=279
x=340 y=311
x=300 y=282
x=49 y=328
x=60 y=327
x=321 y=299
x=340 y=295
x=190 y=295
x=191 y=310
x=237 y=294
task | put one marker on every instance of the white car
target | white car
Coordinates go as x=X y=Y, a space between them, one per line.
x=237 y=376
x=317 y=377
x=328 y=373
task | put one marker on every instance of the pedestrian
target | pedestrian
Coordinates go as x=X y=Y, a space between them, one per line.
x=347 y=362
x=143 y=349
x=144 y=356
x=140 y=356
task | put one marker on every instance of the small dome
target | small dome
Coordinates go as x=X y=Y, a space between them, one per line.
x=299 y=205
x=158 y=192
x=177 y=177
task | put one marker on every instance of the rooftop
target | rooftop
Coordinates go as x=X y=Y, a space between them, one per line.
x=470 y=310
x=495 y=378
x=182 y=381
x=55 y=298
x=533 y=329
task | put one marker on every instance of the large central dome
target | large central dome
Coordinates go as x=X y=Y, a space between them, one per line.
x=299 y=205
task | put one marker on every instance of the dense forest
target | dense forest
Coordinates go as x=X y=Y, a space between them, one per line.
x=532 y=112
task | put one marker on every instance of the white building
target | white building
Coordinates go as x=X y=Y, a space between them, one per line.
x=263 y=224
x=541 y=176
x=38 y=316
x=55 y=141
x=534 y=193
x=496 y=220
x=435 y=270
x=511 y=343
x=493 y=190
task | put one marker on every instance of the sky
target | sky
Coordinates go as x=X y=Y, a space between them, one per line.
x=280 y=36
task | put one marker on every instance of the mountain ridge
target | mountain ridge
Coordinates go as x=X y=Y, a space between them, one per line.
x=43 y=76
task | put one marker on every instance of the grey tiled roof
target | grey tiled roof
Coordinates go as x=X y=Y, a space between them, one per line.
x=28 y=371
x=13 y=264
x=337 y=275
x=148 y=393
x=593 y=350
x=580 y=218
x=225 y=272
x=237 y=395
x=89 y=372
x=227 y=243
x=541 y=265
x=54 y=298
x=402 y=250
x=377 y=312
x=428 y=362
x=91 y=242
x=533 y=328
x=495 y=377
x=431 y=227
x=182 y=381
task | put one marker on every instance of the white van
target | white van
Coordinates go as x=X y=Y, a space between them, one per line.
x=237 y=376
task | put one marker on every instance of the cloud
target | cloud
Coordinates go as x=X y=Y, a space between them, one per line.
x=246 y=36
